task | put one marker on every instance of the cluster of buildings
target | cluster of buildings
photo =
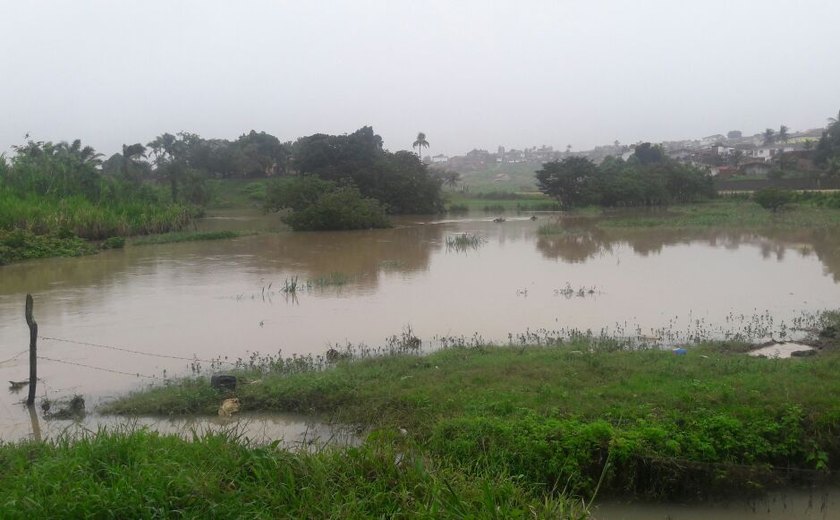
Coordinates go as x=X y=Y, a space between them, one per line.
x=735 y=154
x=721 y=155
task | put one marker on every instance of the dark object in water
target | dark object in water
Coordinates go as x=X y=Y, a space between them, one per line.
x=499 y=219
x=533 y=217
x=223 y=382
x=14 y=386
x=803 y=353
x=74 y=409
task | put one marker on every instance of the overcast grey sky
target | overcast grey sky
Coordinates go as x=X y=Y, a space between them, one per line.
x=468 y=74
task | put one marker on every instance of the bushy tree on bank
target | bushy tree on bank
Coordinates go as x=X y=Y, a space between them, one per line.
x=314 y=204
x=399 y=180
x=648 y=178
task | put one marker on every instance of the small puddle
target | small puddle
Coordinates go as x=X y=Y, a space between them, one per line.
x=292 y=430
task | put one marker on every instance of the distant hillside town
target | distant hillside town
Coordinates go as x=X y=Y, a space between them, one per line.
x=733 y=154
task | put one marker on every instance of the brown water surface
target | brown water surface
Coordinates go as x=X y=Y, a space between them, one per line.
x=223 y=298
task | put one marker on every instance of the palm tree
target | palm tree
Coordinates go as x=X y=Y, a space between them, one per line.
x=130 y=155
x=832 y=120
x=420 y=143
x=783 y=134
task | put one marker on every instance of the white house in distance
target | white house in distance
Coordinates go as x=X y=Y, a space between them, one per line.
x=439 y=158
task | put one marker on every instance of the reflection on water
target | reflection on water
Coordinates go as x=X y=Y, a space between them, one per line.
x=813 y=504
x=293 y=430
x=221 y=298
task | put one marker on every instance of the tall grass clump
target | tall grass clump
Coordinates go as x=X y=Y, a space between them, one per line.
x=220 y=475
x=465 y=241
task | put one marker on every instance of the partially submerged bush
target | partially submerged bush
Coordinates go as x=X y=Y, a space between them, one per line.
x=318 y=205
x=773 y=199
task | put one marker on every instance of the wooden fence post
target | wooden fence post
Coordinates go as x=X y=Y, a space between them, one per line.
x=33 y=356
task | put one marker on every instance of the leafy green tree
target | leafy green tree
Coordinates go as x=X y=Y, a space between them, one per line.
x=318 y=205
x=769 y=136
x=420 y=143
x=296 y=193
x=56 y=170
x=647 y=153
x=131 y=156
x=568 y=181
x=262 y=154
x=399 y=180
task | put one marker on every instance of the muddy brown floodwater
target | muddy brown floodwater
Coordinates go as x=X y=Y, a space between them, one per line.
x=224 y=298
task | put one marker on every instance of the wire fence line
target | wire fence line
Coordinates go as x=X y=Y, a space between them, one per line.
x=22 y=352
x=111 y=370
x=134 y=351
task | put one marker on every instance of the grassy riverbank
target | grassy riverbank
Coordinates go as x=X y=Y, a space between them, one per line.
x=146 y=475
x=806 y=211
x=712 y=421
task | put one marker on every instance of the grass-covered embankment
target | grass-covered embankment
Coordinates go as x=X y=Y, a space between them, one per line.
x=34 y=226
x=663 y=425
x=146 y=475
x=186 y=236
x=808 y=210
x=499 y=202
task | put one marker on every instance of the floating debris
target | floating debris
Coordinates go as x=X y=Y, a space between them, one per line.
x=229 y=407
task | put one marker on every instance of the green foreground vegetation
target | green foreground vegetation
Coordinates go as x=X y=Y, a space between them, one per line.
x=799 y=210
x=145 y=475
x=565 y=415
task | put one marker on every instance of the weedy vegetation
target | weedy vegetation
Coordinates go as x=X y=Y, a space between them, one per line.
x=463 y=242
x=566 y=412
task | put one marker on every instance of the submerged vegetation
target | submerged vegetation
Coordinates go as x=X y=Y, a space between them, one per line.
x=463 y=242
x=186 y=236
x=564 y=414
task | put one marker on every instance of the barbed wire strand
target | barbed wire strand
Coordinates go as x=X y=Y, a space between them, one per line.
x=22 y=352
x=133 y=351
x=133 y=374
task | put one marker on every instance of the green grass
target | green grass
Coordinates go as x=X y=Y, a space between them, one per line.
x=500 y=202
x=82 y=218
x=735 y=213
x=238 y=193
x=40 y=227
x=146 y=475
x=712 y=421
x=186 y=236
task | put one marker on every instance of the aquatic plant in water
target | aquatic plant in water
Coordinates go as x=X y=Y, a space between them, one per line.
x=463 y=242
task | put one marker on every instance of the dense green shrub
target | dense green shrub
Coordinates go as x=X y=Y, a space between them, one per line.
x=342 y=208
x=773 y=199
x=319 y=205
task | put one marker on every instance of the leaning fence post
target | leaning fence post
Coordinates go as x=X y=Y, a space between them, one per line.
x=33 y=357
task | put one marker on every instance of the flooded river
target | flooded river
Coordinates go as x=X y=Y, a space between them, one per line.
x=223 y=299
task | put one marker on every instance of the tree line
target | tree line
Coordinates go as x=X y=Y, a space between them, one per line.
x=647 y=178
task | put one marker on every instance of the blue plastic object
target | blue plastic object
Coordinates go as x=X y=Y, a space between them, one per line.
x=680 y=351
